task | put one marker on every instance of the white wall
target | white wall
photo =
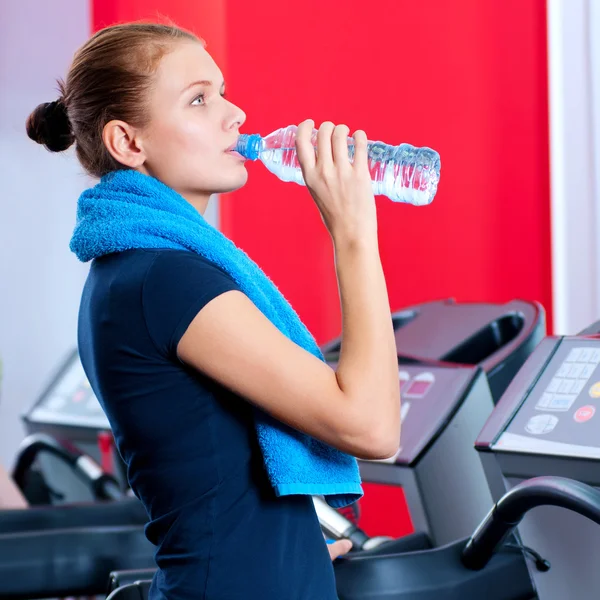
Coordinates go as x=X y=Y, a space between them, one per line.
x=40 y=279
x=593 y=36
x=574 y=80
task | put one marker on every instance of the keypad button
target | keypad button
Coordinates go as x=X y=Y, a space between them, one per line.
x=544 y=401
x=541 y=424
x=576 y=370
x=587 y=371
x=561 y=402
x=553 y=385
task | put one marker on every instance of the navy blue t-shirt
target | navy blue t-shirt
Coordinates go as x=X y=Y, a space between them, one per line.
x=189 y=444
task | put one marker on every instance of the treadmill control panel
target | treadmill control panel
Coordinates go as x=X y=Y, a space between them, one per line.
x=558 y=415
x=69 y=401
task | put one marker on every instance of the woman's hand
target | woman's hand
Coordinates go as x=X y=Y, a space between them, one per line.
x=339 y=548
x=341 y=190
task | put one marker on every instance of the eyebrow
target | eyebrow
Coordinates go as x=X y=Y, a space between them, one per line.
x=204 y=82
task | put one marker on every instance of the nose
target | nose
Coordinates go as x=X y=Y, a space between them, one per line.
x=236 y=118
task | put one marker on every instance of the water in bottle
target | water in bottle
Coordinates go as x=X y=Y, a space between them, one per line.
x=402 y=173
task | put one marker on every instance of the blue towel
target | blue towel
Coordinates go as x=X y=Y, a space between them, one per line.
x=130 y=210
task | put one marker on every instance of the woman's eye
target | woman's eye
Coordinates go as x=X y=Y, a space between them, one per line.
x=198 y=100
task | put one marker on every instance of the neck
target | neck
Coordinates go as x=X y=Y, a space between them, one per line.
x=198 y=201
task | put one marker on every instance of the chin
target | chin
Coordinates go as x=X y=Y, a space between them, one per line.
x=232 y=184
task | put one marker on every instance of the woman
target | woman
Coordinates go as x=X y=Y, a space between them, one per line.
x=180 y=357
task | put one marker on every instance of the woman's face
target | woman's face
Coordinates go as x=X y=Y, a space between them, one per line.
x=192 y=127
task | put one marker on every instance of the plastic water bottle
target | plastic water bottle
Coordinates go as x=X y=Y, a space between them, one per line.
x=402 y=173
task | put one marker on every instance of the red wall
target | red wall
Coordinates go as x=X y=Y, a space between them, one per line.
x=468 y=78
x=206 y=18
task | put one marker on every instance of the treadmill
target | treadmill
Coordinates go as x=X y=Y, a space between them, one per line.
x=548 y=424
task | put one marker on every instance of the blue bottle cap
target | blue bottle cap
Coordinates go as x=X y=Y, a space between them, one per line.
x=249 y=146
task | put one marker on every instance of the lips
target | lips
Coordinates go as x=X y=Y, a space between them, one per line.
x=232 y=147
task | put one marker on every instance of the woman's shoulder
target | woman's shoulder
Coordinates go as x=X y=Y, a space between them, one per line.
x=161 y=259
x=161 y=272
x=172 y=263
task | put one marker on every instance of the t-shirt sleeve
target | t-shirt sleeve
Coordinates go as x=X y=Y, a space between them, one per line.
x=176 y=288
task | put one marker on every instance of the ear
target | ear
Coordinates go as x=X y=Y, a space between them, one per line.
x=123 y=143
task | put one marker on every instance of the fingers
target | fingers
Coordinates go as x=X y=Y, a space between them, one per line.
x=304 y=147
x=332 y=145
x=343 y=194
x=339 y=548
x=339 y=142
x=360 y=150
x=324 y=151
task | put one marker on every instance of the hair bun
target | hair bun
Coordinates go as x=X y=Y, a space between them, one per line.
x=49 y=125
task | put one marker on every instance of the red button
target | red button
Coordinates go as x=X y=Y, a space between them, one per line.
x=585 y=413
